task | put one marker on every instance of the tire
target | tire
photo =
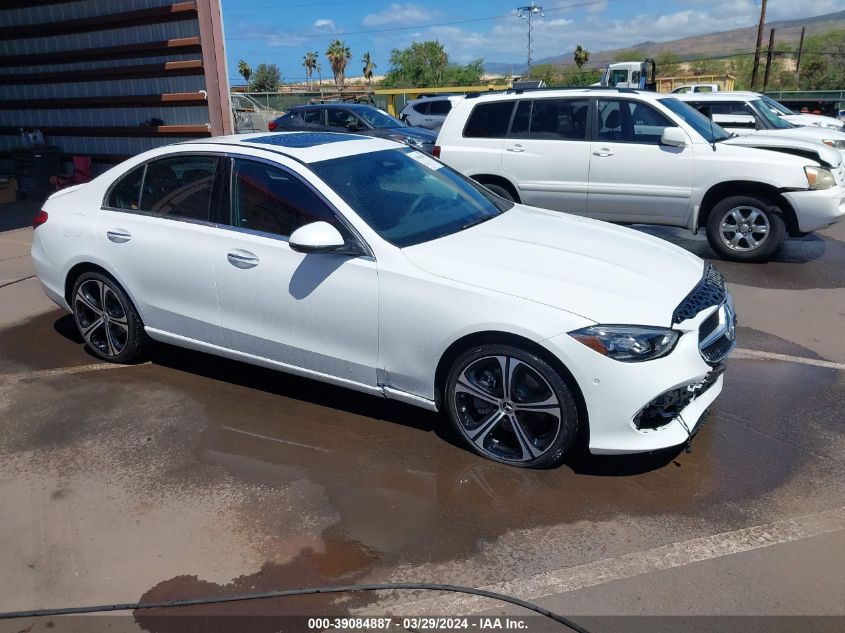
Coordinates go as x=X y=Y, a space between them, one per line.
x=500 y=191
x=532 y=428
x=119 y=337
x=764 y=221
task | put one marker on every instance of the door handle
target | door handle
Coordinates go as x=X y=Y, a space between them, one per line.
x=242 y=259
x=603 y=152
x=516 y=148
x=119 y=236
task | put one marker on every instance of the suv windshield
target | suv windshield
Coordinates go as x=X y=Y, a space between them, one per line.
x=774 y=105
x=408 y=197
x=770 y=117
x=377 y=119
x=711 y=132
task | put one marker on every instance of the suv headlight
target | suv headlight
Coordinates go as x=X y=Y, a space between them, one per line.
x=627 y=343
x=835 y=143
x=819 y=177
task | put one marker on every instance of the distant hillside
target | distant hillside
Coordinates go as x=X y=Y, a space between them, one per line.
x=725 y=42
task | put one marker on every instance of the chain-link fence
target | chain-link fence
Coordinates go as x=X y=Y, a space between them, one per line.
x=285 y=100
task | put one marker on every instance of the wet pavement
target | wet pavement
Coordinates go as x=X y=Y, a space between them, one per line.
x=189 y=475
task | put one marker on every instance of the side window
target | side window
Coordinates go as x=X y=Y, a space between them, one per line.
x=126 y=193
x=521 y=119
x=489 y=120
x=271 y=200
x=339 y=117
x=421 y=108
x=559 y=119
x=179 y=186
x=441 y=107
x=312 y=116
x=630 y=122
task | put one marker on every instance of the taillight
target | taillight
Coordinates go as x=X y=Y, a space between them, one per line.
x=436 y=151
x=272 y=125
x=39 y=219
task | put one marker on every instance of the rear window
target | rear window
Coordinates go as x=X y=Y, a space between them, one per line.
x=441 y=107
x=179 y=186
x=489 y=120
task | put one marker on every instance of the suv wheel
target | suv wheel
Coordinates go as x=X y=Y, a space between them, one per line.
x=106 y=318
x=745 y=228
x=500 y=191
x=510 y=406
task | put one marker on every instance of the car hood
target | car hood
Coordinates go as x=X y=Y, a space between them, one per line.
x=599 y=271
x=420 y=133
x=797 y=144
x=815 y=120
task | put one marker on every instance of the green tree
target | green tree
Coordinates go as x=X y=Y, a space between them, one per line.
x=244 y=70
x=426 y=65
x=338 y=55
x=668 y=64
x=823 y=62
x=309 y=60
x=581 y=56
x=630 y=56
x=266 y=78
x=369 y=67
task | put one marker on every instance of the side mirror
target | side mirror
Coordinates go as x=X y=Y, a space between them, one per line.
x=317 y=237
x=673 y=136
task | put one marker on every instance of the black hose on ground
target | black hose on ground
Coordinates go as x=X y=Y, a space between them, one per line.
x=133 y=606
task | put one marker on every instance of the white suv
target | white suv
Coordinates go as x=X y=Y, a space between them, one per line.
x=429 y=112
x=636 y=157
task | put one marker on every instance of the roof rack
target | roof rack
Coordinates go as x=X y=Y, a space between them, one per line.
x=517 y=91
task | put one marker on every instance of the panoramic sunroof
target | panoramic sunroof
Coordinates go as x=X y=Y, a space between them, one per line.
x=304 y=139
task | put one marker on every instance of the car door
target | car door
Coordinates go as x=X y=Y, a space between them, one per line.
x=156 y=231
x=419 y=113
x=438 y=110
x=547 y=153
x=633 y=178
x=338 y=119
x=317 y=312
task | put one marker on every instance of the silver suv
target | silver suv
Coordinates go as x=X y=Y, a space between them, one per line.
x=429 y=112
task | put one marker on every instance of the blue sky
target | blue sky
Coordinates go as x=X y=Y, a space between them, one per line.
x=281 y=31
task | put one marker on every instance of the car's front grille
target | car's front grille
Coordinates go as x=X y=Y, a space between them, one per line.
x=717 y=334
x=669 y=404
x=710 y=291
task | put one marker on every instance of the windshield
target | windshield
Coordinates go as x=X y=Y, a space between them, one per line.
x=770 y=117
x=406 y=196
x=774 y=105
x=711 y=132
x=378 y=119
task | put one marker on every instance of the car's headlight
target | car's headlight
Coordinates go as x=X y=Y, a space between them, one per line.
x=819 y=177
x=831 y=126
x=408 y=140
x=627 y=343
x=835 y=143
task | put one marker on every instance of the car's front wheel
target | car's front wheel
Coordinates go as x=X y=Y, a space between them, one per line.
x=106 y=318
x=509 y=405
x=745 y=228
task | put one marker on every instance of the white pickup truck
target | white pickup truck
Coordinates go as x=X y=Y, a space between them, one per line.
x=631 y=156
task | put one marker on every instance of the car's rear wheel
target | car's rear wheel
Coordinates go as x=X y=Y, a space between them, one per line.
x=509 y=405
x=500 y=191
x=745 y=228
x=106 y=318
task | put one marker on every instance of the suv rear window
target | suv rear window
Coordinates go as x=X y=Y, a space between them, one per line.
x=489 y=120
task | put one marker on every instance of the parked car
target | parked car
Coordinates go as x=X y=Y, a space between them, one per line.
x=355 y=118
x=249 y=115
x=802 y=118
x=696 y=88
x=367 y=264
x=640 y=157
x=428 y=113
x=747 y=113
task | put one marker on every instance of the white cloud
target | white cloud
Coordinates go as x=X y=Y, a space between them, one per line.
x=398 y=14
x=324 y=23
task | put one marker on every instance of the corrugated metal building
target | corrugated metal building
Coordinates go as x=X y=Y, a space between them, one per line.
x=93 y=74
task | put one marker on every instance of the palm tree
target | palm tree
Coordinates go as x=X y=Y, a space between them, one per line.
x=310 y=63
x=369 y=66
x=581 y=56
x=319 y=69
x=338 y=54
x=244 y=70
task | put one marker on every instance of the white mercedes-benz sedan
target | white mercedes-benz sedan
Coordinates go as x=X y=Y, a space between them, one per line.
x=365 y=263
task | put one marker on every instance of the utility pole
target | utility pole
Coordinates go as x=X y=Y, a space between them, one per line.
x=525 y=13
x=769 y=58
x=800 y=51
x=759 y=43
